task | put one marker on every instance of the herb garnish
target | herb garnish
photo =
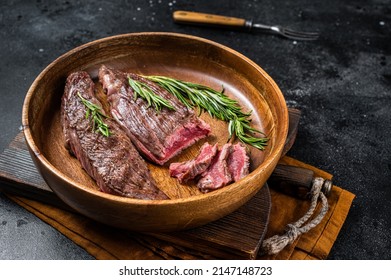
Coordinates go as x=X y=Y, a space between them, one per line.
x=217 y=104
x=93 y=110
x=144 y=91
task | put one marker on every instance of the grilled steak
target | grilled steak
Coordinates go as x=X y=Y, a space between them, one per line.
x=188 y=170
x=213 y=168
x=217 y=175
x=159 y=136
x=238 y=162
x=112 y=161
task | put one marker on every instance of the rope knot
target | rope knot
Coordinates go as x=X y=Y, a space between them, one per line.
x=276 y=243
x=292 y=232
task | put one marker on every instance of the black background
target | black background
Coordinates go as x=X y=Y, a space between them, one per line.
x=341 y=82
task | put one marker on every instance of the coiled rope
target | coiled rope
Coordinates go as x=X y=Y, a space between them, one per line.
x=276 y=243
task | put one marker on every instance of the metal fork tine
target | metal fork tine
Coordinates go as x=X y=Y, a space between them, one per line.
x=299 y=35
x=304 y=36
x=292 y=34
x=296 y=37
x=304 y=33
x=299 y=38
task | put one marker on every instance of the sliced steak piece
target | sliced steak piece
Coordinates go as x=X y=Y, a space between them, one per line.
x=238 y=162
x=188 y=170
x=112 y=161
x=217 y=175
x=159 y=136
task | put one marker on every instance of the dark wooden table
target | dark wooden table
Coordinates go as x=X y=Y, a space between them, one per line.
x=341 y=83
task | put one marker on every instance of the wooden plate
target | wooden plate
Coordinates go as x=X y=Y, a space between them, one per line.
x=180 y=56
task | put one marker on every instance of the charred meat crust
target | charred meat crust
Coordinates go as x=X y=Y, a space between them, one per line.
x=112 y=161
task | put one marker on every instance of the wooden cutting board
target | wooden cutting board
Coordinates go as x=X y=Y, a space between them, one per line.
x=238 y=235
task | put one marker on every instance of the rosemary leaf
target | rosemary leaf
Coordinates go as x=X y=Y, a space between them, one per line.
x=217 y=104
x=146 y=92
x=95 y=112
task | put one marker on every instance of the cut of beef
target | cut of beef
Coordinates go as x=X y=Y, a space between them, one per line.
x=159 y=136
x=188 y=170
x=213 y=168
x=217 y=175
x=238 y=162
x=112 y=161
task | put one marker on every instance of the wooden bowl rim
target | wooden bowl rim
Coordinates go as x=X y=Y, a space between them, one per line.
x=278 y=146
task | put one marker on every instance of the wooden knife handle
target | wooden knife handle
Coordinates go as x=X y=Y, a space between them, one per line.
x=207 y=19
x=295 y=181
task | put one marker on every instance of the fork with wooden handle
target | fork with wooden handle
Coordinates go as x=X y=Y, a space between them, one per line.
x=195 y=18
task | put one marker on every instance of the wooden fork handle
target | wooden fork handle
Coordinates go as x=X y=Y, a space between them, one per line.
x=208 y=19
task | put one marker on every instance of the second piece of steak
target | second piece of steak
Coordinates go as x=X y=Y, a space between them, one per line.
x=111 y=161
x=214 y=168
x=238 y=162
x=188 y=170
x=159 y=136
x=217 y=175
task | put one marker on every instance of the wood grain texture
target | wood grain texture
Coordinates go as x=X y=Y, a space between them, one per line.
x=207 y=19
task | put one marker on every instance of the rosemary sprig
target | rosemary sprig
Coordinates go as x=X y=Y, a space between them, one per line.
x=242 y=128
x=144 y=91
x=93 y=110
x=217 y=104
